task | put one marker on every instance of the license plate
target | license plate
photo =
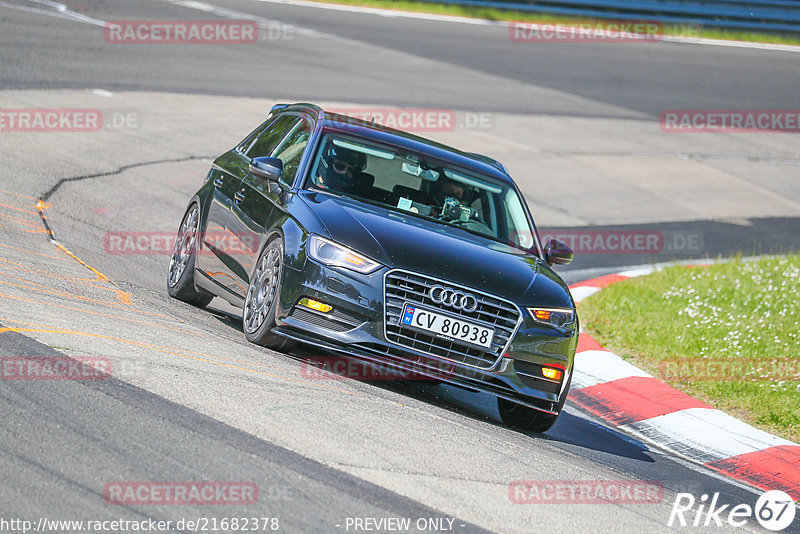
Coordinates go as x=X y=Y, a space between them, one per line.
x=447 y=326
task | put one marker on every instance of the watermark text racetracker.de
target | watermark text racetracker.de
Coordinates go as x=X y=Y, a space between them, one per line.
x=585 y=492
x=730 y=369
x=419 y=119
x=602 y=31
x=625 y=241
x=191 y=493
x=163 y=243
x=730 y=120
x=190 y=32
x=181 y=32
x=66 y=120
x=54 y=368
x=343 y=367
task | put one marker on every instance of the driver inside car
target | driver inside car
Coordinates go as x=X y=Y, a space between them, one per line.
x=341 y=169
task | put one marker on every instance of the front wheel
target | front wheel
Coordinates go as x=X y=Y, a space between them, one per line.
x=261 y=302
x=519 y=416
x=180 y=277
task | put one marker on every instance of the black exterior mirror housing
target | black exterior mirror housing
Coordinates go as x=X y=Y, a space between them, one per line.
x=268 y=168
x=556 y=252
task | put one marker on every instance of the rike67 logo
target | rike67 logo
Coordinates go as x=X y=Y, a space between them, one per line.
x=774 y=510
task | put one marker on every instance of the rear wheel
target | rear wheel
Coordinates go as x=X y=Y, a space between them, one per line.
x=519 y=416
x=180 y=277
x=261 y=302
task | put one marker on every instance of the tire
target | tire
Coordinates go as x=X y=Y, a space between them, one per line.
x=519 y=416
x=258 y=314
x=180 y=276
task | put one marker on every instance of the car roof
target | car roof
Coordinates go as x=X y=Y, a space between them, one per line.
x=361 y=128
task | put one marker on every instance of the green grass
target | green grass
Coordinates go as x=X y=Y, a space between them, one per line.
x=734 y=326
x=505 y=15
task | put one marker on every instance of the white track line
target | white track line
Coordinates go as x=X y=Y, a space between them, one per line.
x=594 y=367
x=640 y=271
x=61 y=12
x=700 y=435
x=581 y=292
x=262 y=22
x=704 y=435
x=393 y=13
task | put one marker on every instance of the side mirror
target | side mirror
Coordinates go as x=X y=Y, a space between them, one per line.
x=268 y=168
x=556 y=252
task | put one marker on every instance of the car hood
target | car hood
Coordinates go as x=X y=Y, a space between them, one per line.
x=406 y=242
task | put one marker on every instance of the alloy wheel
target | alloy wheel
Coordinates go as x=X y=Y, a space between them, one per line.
x=262 y=290
x=184 y=246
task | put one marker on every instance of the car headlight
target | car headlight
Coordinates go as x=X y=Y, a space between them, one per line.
x=561 y=319
x=336 y=255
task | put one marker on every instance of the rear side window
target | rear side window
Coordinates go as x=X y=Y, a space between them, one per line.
x=273 y=135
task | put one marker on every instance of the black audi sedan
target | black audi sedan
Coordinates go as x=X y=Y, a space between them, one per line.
x=384 y=246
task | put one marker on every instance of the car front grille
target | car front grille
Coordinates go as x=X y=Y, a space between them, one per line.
x=404 y=287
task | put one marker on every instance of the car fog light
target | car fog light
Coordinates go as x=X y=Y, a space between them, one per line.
x=315 y=305
x=552 y=374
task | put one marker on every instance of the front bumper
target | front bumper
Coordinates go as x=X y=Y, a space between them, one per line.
x=357 y=327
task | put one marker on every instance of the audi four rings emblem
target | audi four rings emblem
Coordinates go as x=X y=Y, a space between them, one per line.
x=453 y=299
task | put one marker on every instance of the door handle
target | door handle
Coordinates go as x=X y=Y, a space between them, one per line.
x=239 y=196
x=218 y=183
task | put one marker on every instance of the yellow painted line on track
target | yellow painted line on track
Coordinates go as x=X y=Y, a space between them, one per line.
x=17 y=194
x=19 y=221
x=18 y=229
x=17 y=209
x=167 y=350
x=75 y=297
x=107 y=315
x=83 y=281
x=123 y=296
x=59 y=258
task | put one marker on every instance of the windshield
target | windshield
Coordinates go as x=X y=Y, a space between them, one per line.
x=422 y=187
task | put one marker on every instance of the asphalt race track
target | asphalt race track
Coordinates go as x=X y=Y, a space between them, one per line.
x=189 y=399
